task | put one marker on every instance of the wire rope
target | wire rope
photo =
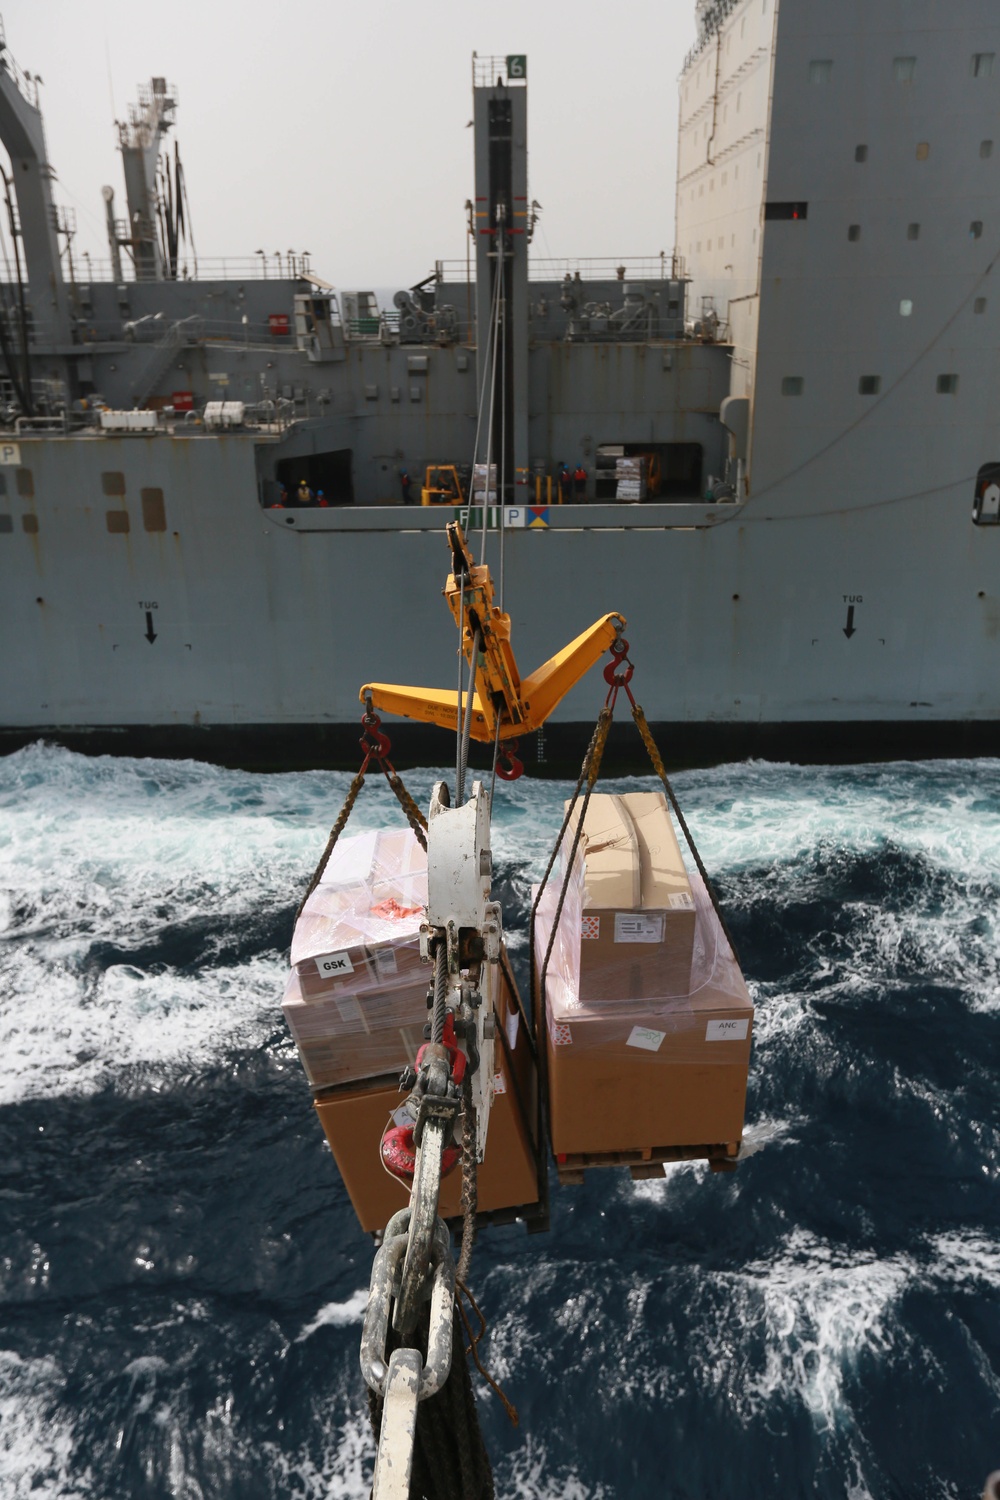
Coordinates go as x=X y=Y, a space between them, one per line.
x=489 y=429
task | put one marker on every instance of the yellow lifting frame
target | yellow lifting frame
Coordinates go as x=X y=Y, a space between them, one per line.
x=521 y=706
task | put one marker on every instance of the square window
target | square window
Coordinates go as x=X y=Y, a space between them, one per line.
x=923 y=150
x=3 y=484
x=905 y=308
x=25 y=483
x=29 y=525
x=854 y=232
x=869 y=385
x=982 y=64
x=979 y=306
x=976 y=229
x=820 y=70
x=985 y=148
x=947 y=385
x=117 y=521
x=112 y=482
x=6 y=523
x=861 y=153
x=904 y=69
x=792 y=385
x=913 y=231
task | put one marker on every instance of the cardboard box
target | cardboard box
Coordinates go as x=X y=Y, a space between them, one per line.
x=646 y=1072
x=355 y=1117
x=636 y=914
x=677 y=1078
x=356 y=999
x=345 y=1037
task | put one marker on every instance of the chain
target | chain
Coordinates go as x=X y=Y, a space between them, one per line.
x=376 y=747
x=470 y=1184
x=414 y=816
x=335 y=832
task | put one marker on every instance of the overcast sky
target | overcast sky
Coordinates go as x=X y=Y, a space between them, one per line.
x=338 y=126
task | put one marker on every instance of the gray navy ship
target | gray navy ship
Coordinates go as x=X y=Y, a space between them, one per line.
x=775 y=450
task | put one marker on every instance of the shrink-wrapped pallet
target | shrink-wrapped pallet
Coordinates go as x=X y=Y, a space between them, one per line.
x=356 y=999
x=648 y=1049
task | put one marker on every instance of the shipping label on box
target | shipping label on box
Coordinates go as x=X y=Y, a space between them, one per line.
x=727 y=1031
x=334 y=965
x=639 y=927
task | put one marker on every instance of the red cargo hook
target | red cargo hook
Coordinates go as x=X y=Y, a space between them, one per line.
x=615 y=676
x=509 y=768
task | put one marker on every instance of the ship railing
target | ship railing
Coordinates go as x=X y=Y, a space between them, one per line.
x=25 y=82
x=666 y=266
x=41 y=424
x=709 y=25
x=280 y=266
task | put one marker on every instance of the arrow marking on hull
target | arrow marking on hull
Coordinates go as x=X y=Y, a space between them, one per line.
x=848 y=628
x=151 y=633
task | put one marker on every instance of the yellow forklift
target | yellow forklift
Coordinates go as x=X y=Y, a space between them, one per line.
x=442 y=486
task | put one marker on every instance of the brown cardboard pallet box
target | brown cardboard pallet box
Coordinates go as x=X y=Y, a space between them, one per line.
x=356 y=998
x=354 y=1117
x=647 y=1056
x=637 y=918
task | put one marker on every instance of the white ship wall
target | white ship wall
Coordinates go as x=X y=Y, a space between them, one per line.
x=722 y=156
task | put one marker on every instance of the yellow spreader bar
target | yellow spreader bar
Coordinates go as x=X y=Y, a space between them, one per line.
x=520 y=705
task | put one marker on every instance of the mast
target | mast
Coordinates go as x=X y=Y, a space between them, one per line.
x=500 y=119
x=24 y=138
x=139 y=142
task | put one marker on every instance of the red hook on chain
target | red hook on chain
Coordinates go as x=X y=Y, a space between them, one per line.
x=374 y=744
x=509 y=768
x=614 y=676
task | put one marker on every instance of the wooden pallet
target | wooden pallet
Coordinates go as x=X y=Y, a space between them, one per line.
x=646 y=1163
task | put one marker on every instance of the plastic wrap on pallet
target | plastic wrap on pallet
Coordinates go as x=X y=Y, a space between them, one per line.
x=705 y=1020
x=360 y=927
x=344 y=1038
x=356 y=999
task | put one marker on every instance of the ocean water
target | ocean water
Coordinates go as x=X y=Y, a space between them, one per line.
x=181 y=1277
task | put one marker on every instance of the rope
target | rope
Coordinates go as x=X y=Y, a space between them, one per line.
x=335 y=832
x=470 y=1185
x=472 y=1347
x=449 y=1457
x=660 y=769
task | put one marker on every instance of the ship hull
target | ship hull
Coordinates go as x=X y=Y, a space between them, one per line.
x=241 y=634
